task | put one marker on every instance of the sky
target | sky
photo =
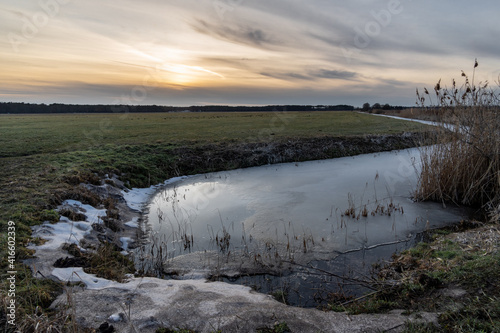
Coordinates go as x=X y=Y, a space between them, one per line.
x=241 y=52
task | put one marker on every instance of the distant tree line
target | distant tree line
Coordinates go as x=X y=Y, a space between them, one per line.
x=377 y=106
x=24 y=108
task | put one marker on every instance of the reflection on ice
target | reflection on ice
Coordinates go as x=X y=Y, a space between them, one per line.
x=327 y=205
x=298 y=213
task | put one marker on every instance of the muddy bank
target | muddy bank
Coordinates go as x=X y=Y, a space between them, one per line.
x=216 y=157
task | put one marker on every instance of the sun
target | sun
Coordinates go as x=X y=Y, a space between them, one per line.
x=175 y=67
x=185 y=74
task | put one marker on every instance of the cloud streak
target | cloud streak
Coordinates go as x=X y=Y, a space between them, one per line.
x=313 y=75
x=246 y=35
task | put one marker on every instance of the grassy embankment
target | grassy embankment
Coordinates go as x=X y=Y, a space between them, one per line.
x=44 y=157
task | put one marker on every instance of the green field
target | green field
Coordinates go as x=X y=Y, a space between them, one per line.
x=23 y=135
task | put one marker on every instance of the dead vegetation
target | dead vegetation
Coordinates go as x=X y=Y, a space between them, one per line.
x=463 y=165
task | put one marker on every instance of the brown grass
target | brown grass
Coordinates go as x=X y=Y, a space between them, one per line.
x=463 y=166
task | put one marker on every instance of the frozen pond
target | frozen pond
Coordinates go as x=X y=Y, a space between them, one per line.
x=284 y=220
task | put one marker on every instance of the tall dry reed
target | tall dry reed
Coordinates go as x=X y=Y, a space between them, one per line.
x=463 y=166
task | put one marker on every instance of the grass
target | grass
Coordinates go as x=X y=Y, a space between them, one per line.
x=418 y=278
x=25 y=135
x=43 y=158
x=107 y=262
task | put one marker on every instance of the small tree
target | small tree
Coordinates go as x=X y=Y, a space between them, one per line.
x=366 y=107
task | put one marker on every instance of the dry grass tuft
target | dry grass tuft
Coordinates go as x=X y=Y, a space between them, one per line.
x=463 y=166
x=39 y=321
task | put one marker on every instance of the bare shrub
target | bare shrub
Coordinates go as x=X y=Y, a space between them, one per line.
x=463 y=166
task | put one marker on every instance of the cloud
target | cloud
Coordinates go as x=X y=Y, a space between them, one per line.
x=127 y=94
x=334 y=74
x=311 y=75
x=241 y=34
x=286 y=76
x=331 y=40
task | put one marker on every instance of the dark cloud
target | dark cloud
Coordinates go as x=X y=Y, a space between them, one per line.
x=326 y=39
x=334 y=74
x=84 y=93
x=312 y=75
x=239 y=34
x=256 y=36
x=393 y=82
x=286 y=76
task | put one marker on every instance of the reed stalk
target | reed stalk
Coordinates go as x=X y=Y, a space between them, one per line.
x=463 y=164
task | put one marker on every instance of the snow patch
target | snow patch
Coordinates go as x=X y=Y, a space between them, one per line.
x=66 y=230
x=76 y=274
x=125 y=241
x=134 y=223
x=116 y=317
x=62 y=232
x=93 y=215
x=136 y=198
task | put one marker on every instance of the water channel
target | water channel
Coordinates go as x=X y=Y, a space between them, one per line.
x=300 y=230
